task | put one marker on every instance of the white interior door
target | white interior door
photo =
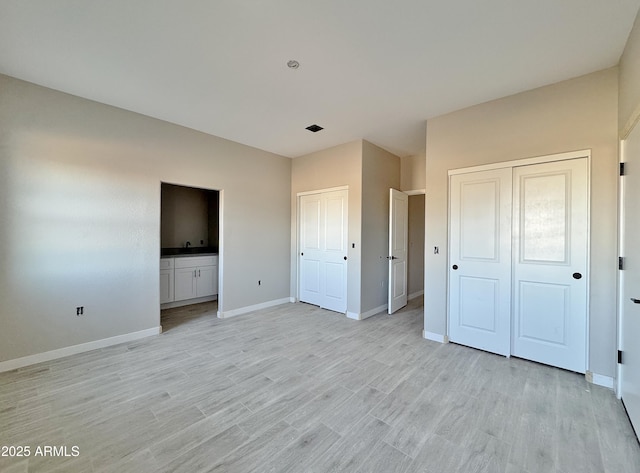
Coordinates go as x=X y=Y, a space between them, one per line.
x=550 y=263
x=398 y=243
x=630 y=313
x=323 y=249
x=480 y=260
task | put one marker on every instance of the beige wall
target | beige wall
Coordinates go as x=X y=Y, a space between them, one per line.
x=629 y=97
x=184 y=216
x=576 y=114
x=380 y=172
x=415 y=265
x=332 y=167
x=80 y=217
x=413 y=172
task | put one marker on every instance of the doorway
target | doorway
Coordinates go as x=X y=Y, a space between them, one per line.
x=518 y=262
x=189 y=250
x=406 y=247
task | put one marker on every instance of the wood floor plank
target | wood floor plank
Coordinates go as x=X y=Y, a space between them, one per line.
x=302 y=453
x=353 y=410
x=256 y=452
x=350 y=452
x=385 y=459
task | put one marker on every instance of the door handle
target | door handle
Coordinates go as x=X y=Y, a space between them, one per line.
x=635 y=301
x=577 y=276
x=198 y=273
x=392 y=257
x=455 y=266
x=345 y=258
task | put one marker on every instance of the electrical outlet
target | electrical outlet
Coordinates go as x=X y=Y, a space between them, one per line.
x=80 y=311
x=436 y=250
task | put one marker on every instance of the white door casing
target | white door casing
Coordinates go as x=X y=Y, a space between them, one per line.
x=398 y=249
x=630 y=280
x=480 y=260
x=323 y=249
x=550 y=263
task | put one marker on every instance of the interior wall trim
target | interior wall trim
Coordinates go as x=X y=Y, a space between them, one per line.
x=251 y=308
x=631 y=123
x=75 y=349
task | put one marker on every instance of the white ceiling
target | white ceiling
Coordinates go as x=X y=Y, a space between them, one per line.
x=370 y=69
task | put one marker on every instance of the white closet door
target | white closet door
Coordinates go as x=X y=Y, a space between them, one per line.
x=334 y=270
x=550 y=263
x=311 y=253
x=480 y=260
x=323 y=249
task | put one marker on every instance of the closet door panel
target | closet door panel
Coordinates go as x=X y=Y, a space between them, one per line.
x=480 y=260
x=550 y=263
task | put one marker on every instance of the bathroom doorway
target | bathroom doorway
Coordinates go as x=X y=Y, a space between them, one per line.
x=189 y=252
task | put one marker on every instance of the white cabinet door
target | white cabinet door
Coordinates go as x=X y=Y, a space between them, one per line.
x=323 y=249
x=480 y=260
x=398 y=243
x=185 y=283
x=166 y=285
x=550 y=263
x=205 y=281
x=630 y=316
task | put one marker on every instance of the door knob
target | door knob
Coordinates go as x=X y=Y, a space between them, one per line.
x=455 y=266
x=635 y=301
x=345 y=258
x=577 y=276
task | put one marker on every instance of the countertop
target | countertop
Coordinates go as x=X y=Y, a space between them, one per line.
x=184 y=252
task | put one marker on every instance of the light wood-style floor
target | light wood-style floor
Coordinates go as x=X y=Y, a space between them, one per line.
x=300 y=389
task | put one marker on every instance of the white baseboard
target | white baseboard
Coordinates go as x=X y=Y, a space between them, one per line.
x=292 y=300
x=367 y=314
x=413 y=295
x=75 y=349
x=372 y=312
x=435 y=337
x=600 y=380
x=243 y=310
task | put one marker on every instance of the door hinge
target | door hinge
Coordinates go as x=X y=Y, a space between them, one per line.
x=622 y=169
x=620 y=263
x=619 y=357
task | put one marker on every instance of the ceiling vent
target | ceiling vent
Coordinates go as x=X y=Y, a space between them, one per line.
x=314 y=128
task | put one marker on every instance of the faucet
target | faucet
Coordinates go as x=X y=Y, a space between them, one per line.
x=187 y=244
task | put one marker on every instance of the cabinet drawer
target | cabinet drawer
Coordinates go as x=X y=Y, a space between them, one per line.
x=193 y=261
x=166 y=263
